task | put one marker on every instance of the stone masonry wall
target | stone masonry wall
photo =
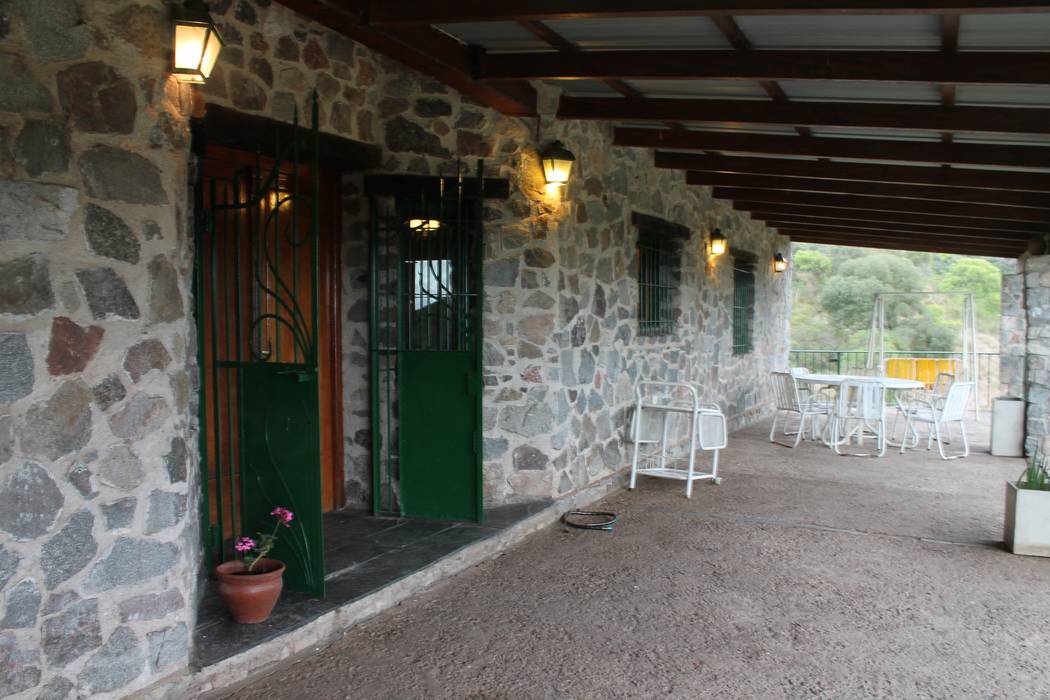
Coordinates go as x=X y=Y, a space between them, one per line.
x=98 y=475
x=1013 y=324
x=1037 y=303
x=561 y=351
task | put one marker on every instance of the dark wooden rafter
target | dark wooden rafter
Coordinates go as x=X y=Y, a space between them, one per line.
x=903 y=243
x=425 y=49
x=949 y=47
x=442 y=11
x=1003 y=120
x=921 y=206
x=742 y=45
x=871 y=149
x=903 y=229
x=878 y=189
x=770 y=210
x=871 y=172
x=1024 y=68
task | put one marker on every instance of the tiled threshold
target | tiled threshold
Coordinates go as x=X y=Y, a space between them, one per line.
x=363 y=554
x=359 y=590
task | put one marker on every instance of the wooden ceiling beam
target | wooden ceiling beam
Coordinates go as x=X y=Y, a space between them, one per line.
x=399 y=12
x=868 y=172
x=875 y=229
x=955 y=248
x=870 y=149
x=1001 y=120
x=878 y=189
x=1003 y=68
x=865 y=216
x=848 y=201
x=427 y=50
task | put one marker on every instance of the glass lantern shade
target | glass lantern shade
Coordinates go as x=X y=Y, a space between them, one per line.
x=557 y=163
x=197 y=45
x=780 y=264
x=718 y=242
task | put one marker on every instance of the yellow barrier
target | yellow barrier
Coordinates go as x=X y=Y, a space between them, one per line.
x=924 y=369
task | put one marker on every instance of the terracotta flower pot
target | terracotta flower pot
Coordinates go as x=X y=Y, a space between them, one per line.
x=250 y=597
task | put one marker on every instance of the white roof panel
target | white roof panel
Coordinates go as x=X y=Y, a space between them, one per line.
x=642 y=33
x=902 y=32
x=844 y=91
x=585 y=88
x=496 y=36
x=893 y=134
x=704 y=89
x=1006 y=95
x=1017 y=32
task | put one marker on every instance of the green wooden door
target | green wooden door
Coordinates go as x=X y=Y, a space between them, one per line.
x=280 y=466
x=439 y=422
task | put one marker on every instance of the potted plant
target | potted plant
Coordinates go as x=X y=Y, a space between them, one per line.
x=1028 y=509
x=251 y=585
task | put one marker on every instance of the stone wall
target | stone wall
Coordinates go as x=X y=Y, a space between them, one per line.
x=1013 y=325
x=1037 y=352
x=98 y=474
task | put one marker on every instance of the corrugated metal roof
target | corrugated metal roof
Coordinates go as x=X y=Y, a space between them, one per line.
x=712 y=89
x=1020 y=32
x=1014 y=95
x=913 y=32
x=642 y=33
x=496 y=36
x=842 y=91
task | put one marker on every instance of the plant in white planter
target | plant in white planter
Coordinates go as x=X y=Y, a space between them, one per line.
x=1028 y=509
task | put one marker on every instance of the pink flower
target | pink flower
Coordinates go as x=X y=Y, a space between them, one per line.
x=244 y=544
x=283 y=514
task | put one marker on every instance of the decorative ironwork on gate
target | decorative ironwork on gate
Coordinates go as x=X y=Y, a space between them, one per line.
x=257 y=314
x=425 y=324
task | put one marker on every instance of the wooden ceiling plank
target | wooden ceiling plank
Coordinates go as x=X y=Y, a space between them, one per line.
x=959 y=248
x=870 y=172
x=858 y=148
x=1000 y=120
x=904 y=230
x=879 y=189
x=864 y=216
x=1003 y=68
x=847 y=201
x=393 y=12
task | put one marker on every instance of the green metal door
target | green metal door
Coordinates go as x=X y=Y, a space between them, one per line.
x=257 y=313
x=426 y=359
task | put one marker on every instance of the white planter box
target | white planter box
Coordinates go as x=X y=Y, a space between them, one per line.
x=1027 y=521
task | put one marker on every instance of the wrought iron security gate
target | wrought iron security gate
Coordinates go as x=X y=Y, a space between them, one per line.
x=426 y=296
x=257 y=314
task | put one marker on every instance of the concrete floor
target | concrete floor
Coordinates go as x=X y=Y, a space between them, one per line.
x=803 y=575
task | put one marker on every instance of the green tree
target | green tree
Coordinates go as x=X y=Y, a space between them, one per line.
x=980 y=277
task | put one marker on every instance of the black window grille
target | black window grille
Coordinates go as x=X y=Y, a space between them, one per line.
x=656 y=286
x=743 y=306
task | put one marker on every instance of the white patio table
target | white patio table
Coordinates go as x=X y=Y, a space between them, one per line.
x=894 y=385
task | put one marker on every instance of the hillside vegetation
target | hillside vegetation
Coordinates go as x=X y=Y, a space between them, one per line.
x=834 y=293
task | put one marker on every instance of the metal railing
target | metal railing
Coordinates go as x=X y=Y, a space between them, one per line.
x=846 y=361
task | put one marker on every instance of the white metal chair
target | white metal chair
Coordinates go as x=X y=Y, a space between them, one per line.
x=938 y=417
x=660 y=406
x=934 y=395
x=859 y=413
x=790 y=399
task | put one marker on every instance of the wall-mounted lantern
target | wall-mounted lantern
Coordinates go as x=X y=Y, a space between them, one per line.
x=557 y=163
x=779 y=263
x=718 y=242
x=197 y=43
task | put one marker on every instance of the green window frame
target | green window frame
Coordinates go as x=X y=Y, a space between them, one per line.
x=656 y=286
x=743 y=306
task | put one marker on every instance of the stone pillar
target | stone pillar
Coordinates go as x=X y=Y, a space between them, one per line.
x=1013 y=325
x=1037 y=350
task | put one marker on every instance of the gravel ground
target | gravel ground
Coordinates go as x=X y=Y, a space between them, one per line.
x=803 y=575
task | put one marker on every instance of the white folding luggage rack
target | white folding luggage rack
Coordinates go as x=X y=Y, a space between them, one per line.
x=658 y=407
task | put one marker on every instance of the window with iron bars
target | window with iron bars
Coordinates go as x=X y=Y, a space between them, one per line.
x=743 y=306
x=656 y=286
